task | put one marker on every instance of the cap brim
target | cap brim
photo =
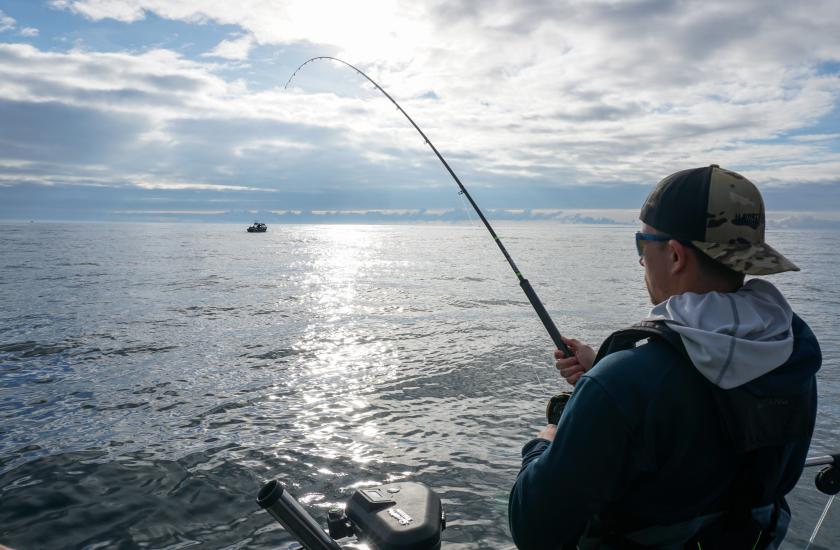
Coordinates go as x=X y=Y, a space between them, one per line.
x=752 y=259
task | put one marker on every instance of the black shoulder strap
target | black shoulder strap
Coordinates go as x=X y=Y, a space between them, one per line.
x=628 y=338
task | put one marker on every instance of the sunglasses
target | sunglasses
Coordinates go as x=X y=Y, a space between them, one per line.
x=642 y=238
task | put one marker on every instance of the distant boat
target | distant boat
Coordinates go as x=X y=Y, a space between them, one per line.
x=258 y=227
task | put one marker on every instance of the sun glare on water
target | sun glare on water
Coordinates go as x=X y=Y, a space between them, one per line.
x=343 y=360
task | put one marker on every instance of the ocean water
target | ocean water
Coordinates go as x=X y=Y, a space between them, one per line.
x=152 y=376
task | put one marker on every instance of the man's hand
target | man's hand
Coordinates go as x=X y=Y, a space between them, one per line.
x=572 y=368
x=548 y=432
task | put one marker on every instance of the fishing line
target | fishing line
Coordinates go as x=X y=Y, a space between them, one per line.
x=539 y=308
x=827 y=482
x=820 y=522
x=474 y=230
x=484 y=260
x=464 y=206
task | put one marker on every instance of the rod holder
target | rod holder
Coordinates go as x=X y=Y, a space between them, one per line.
x=291 y=515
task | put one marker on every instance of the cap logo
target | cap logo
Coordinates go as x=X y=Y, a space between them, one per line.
x=750 y=220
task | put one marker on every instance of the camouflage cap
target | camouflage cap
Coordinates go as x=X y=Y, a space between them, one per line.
x=721 y=213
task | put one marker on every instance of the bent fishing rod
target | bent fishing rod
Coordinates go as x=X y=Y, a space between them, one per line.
x=538 y=306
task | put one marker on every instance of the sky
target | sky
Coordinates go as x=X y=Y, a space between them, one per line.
x=162 y=110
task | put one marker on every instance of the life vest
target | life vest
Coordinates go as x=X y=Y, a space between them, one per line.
x=753 y=424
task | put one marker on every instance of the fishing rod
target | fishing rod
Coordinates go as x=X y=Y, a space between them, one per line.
x=538 y=306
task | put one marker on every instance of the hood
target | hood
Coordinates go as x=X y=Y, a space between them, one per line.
x=732 y=337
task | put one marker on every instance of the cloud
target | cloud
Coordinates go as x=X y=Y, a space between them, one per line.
x=81 y=77
x=29 y=133
x=375 y=25
x=125 y=11
x=181 y=186
x=161 y=118
x=29 y=32
x=236 y=49
x=6 y=23
x=516 y=95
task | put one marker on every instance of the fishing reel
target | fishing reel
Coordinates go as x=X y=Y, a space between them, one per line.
x=555 y=407
x=396 y=516
x=828 y=479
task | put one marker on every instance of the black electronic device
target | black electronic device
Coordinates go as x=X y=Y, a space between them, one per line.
x=396 y=516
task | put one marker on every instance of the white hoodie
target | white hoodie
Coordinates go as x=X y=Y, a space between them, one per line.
x=733 y=337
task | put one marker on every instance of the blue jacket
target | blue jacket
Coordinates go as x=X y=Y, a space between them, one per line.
x=641 y=443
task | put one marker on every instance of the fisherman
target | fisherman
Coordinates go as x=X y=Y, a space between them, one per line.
x=688 y=429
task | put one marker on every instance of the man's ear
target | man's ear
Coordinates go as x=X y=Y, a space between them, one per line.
x=679 y=256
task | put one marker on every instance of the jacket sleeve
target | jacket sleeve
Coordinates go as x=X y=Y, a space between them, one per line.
x=562 y=485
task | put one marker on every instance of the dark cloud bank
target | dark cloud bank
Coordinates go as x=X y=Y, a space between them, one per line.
x=817 y=205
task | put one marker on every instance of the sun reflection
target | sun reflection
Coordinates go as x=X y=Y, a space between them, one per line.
x=345 y=254
x=344 y=358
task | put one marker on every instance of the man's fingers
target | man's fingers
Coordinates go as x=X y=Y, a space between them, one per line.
x=564 y=362
x=565 y=365
x=569 y=341
x=559 y=354
x=568 y=372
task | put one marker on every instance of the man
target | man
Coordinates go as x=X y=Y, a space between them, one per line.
x=691 y=427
